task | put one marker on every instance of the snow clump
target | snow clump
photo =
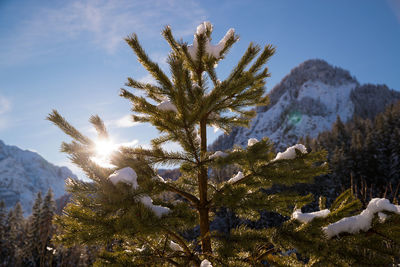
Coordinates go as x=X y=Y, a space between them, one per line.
x=218 y=154
x=205 y=263
x=236 y=178
x=167 y=106
x=126 y=175
x=159 y=178
x=355 y=224
x=175 y=246
x=290 y=153
x=213 y=50
x=129 y=176
x=252 y=141
x=308 y=217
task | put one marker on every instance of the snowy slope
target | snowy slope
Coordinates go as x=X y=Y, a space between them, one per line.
x=23 y=173
x=306 y=102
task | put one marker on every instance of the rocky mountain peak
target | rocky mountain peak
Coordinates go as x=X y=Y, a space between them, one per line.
x=309 y=71
x=307 y=101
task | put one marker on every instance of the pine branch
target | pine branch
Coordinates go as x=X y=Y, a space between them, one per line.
x=99 y=125
x=67 y=128
x=152 y=91
x=268 y=52
x=248 y=56
x=152 y=67
x=194 y=200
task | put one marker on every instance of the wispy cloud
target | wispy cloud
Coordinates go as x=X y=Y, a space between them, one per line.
x=395 y=6
x=103 y=23
x=5 y=106
x=148 y=79
x=123 y=122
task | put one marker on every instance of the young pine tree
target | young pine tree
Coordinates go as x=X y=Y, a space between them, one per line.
x=129 y=209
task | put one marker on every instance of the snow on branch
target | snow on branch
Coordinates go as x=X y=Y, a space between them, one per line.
x=290 y=152
x=128 y=175
x=218 y=154
x=159 y=178
x=213 y=50
x=308 y=217
x=167 y=105
x=236 y=178
x=252 y=141
x=205 y=263
x=355 y=224
x=175 y=246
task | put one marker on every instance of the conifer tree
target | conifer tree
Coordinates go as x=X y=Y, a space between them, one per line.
x=15 y=234
x=32 y=248
x=46 y=228
x=3 y=240
x=127 y=208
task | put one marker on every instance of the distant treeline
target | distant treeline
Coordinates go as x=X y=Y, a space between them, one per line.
x=364 y=154
x=29 y=241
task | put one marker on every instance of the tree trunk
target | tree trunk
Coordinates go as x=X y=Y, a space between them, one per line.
x=203 y=207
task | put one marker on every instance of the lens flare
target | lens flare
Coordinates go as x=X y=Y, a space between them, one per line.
x=103 y=150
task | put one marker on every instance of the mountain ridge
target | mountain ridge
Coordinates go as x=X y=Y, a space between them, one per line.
x=23 y=173
x=306 y=102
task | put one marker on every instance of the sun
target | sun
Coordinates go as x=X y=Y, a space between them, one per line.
x=103 y=150
x=104 y=147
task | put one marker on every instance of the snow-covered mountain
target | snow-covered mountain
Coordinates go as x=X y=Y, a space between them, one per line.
x=307 y=101
x=23 y=173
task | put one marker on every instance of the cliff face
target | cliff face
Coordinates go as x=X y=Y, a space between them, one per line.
x=306 y=102
x=23 y=173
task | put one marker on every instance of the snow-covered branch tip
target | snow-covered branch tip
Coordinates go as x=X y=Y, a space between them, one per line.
x=251 y=142
x=128 y=175
x=174 y=246
x=308 y=217
x=213 y=50
x=237 y=177
x=205 y=263
x=353 y=224
x=218 y=154
x=290 y=152
x=361 y=222
x=167 y=105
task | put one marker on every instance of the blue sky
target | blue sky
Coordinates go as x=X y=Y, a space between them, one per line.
x=70 y=55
